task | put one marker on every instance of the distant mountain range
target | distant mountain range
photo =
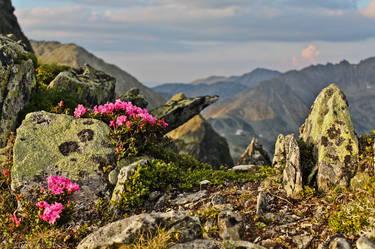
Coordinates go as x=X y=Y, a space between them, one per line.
x=217 y=85
x=75 y=56
x=279 y=103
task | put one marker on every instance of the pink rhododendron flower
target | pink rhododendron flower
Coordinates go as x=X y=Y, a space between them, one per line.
x=71 y=187
x=57 y=184
x=41 y=204
x=61 y=103
x=121 y=120
x=15 y=219
x=80 y=111
x=112 y=124
x=51 y=212
x=5 y=172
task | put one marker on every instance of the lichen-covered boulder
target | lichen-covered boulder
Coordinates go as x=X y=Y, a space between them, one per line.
x=56 y=144
x=17 y=82
x=292 y=174
x=123 y=232
x=254 y=154
x=279 y=158
x=86 y=83
x=329 y=129
x=287 y=159
x=198 y=139
x=180 y=109
x=135 y=97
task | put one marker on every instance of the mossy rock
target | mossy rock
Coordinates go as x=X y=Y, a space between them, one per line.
x=86 y=83
x=329 y=129
x=17 y=83
x=56 y=144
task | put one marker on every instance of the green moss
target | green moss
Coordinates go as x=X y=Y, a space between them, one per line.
x=358 y=212
x=179 y=172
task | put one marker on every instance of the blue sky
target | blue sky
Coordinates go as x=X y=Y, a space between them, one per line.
x=181 y=40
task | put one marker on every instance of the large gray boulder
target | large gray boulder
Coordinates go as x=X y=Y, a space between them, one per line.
x=86 y=83
x=122 y=232
x=254 y=154
x=329 y=129
x=9 y=24
x=180 y=109
x=56 y=144
x=17 y=83
x=197 y=138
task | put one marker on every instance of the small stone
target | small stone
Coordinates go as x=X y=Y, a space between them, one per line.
x=365 y=243
x=112 y=177
x=303 y=241
x=339 y=243
x=245 y=168
x=230 y=225
x=262 y=204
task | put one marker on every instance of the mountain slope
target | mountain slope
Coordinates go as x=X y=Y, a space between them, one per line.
x=75 y=56
x=217 y=85
x=280 y=105
x=9 y=23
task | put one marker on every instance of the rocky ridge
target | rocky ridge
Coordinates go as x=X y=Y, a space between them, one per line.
x=76 y=56
x=281 y=104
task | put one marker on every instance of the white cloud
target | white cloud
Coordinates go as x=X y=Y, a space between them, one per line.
x=369 y=10
x=310 y=53
x=170 y=14
x=308 y=56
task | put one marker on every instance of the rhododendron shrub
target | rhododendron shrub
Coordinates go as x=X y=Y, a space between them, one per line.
x=133 y=128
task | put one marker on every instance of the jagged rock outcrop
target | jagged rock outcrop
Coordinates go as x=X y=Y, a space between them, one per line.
x=254 y=154
x=17 y=83
x=197 y=138
x=135 y=97
x=86 y=83
x=9 y=24
x=329 y=129
x=180 y=109
x=125 y=231
x=76 y=56
x=287 y=159
x=56 y=144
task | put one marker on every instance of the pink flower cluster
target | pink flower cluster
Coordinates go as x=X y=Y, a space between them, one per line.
x=5 y=172
x=15 y=219
x=57 y=185
x=80 y=111
x=130 y=110
x=51 y=212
